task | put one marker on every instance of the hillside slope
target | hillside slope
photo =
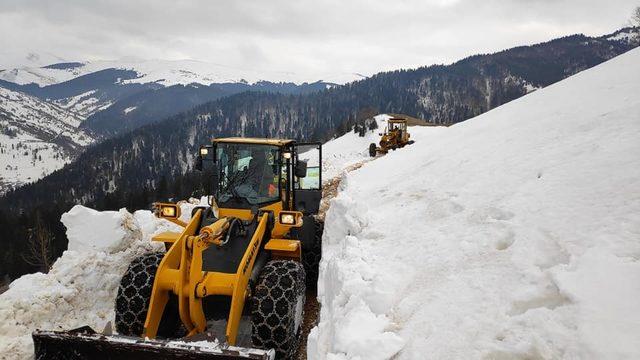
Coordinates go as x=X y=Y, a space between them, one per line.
x=155 y=162
x=443 y=94
x=154 y=105
x=36 y=138
x=512 y=235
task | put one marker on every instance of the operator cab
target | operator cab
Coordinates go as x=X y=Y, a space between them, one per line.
x=398 y=125
x=248 y=173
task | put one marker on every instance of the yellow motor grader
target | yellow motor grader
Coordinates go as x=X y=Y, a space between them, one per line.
x=395 y=136
x=242 y=260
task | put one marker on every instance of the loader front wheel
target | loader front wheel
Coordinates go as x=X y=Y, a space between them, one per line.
x=134 y=295
x=277 y=307
x=372 y=150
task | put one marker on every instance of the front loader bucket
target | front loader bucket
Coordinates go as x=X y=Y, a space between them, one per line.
x=84 y=343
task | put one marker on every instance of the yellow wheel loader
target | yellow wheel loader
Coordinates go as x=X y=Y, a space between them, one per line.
x=395 y=136
x=232 y=282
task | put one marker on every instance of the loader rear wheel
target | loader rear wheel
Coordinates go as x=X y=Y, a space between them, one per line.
x=372 y=150
x=277 y=307
x=134 y=295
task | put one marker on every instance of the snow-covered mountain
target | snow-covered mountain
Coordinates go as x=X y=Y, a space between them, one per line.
x=36 y=138
x=166 y=73
x=626 y=36
x=84 y=104
x=513 y=235
x=441 y=94
x=74 y=92
x=185 y=72
x=144 y=91
x=510 y=236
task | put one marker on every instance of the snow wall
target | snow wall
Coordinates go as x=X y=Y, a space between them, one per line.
x=514 y=235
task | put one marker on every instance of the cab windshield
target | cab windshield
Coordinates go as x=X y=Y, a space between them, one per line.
x=249 y=173
x=396 y=126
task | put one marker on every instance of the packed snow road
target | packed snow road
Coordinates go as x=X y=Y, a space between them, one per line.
x=513 y=235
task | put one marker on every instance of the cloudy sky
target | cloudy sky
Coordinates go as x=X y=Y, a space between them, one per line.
x=311 y=37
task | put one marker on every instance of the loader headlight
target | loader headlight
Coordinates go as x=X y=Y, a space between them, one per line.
x=287 y=155
x=204 y=151
x=164 y=210
x=287 y=219
x=168 y=211
x=290 y=218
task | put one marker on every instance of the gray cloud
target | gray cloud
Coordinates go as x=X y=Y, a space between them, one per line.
x=303 y=36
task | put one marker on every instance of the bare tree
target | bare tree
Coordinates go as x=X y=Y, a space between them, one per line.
x=39 y=250
x=4 y=283
x=635 y=19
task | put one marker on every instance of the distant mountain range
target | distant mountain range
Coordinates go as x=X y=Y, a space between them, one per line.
x=163 y=72
x=154 y=161
x=105 y=99
x=441 y=94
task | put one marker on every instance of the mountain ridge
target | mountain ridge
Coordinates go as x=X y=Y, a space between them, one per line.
x=154 y=162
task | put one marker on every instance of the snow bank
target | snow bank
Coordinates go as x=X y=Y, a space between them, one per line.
x=511 y=236
x=81 y=287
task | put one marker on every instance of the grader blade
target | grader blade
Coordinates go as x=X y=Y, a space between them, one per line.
x=84 y=343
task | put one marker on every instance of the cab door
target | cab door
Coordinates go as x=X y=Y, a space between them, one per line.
x=307 y=192
x=405 y=133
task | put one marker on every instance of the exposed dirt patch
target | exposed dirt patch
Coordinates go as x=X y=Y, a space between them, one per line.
x=311 y=312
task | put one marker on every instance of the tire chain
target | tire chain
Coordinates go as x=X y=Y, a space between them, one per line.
x=134 y=294
x=279 y=287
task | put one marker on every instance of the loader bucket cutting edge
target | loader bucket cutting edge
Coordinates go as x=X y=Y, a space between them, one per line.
x=67 y=345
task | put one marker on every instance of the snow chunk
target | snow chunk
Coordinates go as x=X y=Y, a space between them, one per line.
x=81 y=286
x=87 y=229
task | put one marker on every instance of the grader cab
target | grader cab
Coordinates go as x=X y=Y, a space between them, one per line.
x=235 y=274
x=395 y=136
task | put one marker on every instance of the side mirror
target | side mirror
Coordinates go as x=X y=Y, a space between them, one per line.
x=205 y=152
x=215 y=177
x=301 y=169
x=198 y=165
